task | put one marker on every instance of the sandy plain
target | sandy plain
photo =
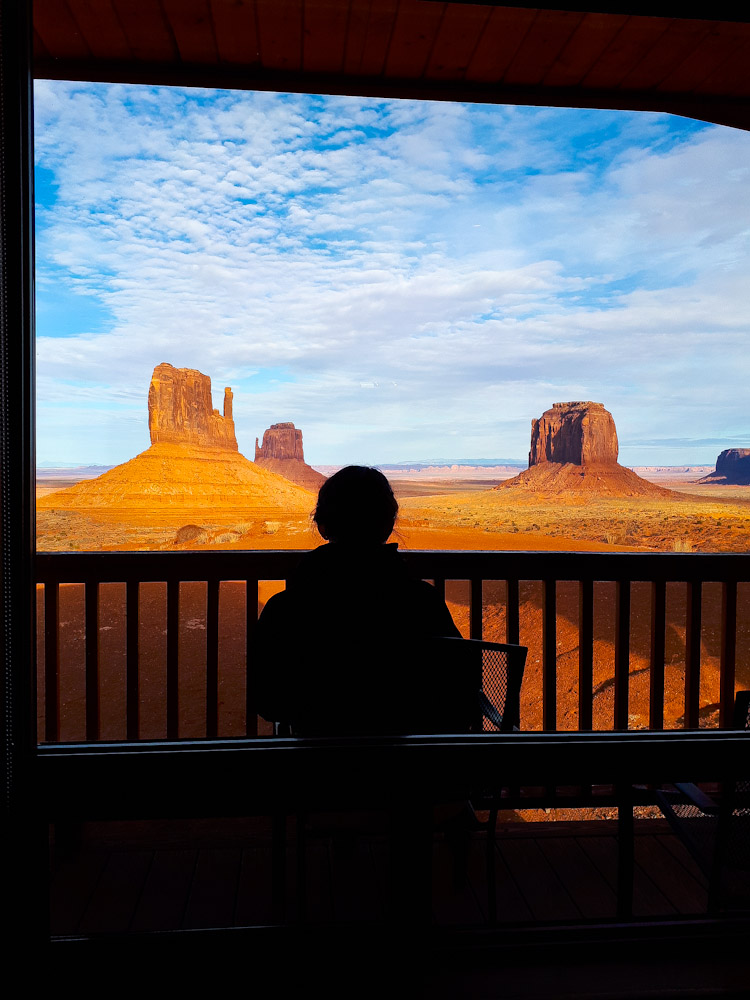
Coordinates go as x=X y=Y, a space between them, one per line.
x=458 y=512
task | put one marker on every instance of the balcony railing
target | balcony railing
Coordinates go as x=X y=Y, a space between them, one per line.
x=150 y=645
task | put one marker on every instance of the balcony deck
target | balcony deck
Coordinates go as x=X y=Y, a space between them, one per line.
x=556 y=887
x=138 y=877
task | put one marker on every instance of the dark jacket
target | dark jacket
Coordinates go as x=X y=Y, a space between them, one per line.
x=335 y=651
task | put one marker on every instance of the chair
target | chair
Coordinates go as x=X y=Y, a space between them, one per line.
x=450 y=685
x=716 y=832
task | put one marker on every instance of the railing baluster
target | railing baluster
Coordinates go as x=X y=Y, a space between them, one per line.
x=656 y=662
x=728 y=652
x=693 y=654
x=251 y=618
x=51 y=661
x=622 y=653
x=585 y=654
x=132 y=663
x=91 y=632
x=475 y=613
x=173 y=659
x=549 y=654
x=212 y=658
x=132 y=568
x=512 y=624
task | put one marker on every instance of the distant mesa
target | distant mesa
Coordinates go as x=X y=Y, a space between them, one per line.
x=574 y=449
x=180 y=410
x=732 y=468
x=282 y=452
x=193 y=471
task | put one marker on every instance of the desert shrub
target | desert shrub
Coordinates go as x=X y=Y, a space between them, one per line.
x=226 y=536
x=610 y=538
x=271 y=527
x=682 y=545
x=187 y=533
x=243 y=527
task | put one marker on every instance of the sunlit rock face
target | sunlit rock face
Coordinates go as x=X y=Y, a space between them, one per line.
x=576 y=433
x=574 y=451
x=180 y=410
x=282 y=452
x=732 y=468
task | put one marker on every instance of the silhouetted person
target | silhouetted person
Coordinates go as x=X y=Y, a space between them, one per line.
x=335 y=652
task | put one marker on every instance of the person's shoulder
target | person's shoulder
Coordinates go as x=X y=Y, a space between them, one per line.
x=310 y=564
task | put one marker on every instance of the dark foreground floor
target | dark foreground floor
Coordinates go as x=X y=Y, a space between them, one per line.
x=155 y=877
x=557 y=932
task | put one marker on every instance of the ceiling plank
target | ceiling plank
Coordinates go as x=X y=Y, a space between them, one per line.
x=633 y=42
x=677 y=44
x=101 y=28
x=356 y=34
x=414 y=34
x=146 y=29
x=280 y=33
x=715 y=48
x=592 y=36
x=457 y=39
x=499 y=43
x=236 y=31
x=541 y=45
x=732 y=77
x=40 y=49
x=324 y=37
x=59 y=31
x=193 y=31
x=379 y=31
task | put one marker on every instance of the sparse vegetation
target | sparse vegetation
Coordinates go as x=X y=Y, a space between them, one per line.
x=226 y=536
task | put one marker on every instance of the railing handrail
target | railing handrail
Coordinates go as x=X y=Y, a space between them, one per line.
x=277 y=564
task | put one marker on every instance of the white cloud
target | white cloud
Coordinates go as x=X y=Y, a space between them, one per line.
x=488 y=261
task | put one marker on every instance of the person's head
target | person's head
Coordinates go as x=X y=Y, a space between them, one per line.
x=356 y=506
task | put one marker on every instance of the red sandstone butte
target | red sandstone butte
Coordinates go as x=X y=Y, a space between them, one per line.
x=281 y=452
x=579 y=433
x=180 y=410
x=574 y=450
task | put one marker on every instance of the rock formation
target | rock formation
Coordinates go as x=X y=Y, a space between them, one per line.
x=193 y=472
x=732 y=468
x=574 y=450
x=578 y=433
x=282 y=452
x=180 y=410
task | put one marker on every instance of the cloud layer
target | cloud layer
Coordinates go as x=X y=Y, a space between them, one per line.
x=403 y=280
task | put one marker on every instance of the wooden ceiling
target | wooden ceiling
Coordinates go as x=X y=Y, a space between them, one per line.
x=409 y=48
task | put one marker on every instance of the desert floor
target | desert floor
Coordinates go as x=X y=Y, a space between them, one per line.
x=462 y=513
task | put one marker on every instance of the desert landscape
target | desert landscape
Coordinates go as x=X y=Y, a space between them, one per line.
x=193 y=490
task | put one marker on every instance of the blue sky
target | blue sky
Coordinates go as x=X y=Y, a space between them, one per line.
x=404 y=280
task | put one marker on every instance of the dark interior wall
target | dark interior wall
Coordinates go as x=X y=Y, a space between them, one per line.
x=23 y=837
